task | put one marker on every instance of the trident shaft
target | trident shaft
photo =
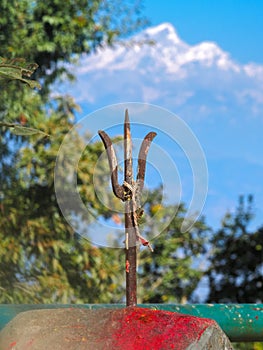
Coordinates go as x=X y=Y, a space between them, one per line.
x=129 y=192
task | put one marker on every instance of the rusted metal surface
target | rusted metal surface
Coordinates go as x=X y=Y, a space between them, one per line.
x=118 y=190
x=240 y=322
x=129 y=192
x=142 y=159
x=130 y=235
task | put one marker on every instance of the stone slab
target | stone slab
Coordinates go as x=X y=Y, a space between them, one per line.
x=107 y=329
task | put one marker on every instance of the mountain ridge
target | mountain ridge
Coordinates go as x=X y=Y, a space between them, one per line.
x=170 y=72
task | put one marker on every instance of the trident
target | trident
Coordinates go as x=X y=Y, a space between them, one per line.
x=130 y=193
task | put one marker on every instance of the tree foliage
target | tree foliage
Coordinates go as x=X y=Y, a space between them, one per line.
x=235 y=274
x=169 y=274
x=18 y=69
x=54 y=33
x=41 y=258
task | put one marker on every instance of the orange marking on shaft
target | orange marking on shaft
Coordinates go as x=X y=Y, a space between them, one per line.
x=127 y=266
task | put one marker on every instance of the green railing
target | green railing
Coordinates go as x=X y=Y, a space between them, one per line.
x=241 y=322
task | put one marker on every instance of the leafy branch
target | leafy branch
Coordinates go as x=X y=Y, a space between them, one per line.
x=22 y=130
x=18 y=69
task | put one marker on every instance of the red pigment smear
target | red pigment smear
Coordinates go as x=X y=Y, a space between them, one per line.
x=12 y=344
x=145 y=329
x=127 y=266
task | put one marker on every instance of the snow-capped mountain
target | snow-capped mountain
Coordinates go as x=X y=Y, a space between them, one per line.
x=165 y=50
x=167 y=71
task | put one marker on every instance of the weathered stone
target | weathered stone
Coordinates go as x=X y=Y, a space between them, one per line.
x=107 y=329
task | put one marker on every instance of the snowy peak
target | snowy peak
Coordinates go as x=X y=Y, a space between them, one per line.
x=163 y=32
x=167 y=53
x=170 y=70
x=209 y=54
x=205 y=53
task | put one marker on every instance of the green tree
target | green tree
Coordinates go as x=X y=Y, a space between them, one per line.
x=41 y=258
x=235 y=273
x=54 y=33
x=169 y=274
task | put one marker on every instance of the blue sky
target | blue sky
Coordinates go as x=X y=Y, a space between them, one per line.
x=235 y=25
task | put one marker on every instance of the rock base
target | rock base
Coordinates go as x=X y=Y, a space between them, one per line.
x=107 y=329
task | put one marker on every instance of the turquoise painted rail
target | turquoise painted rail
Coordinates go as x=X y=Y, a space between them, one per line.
x=241 y=322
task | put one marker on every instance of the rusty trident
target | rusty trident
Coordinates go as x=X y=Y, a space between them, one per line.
x=129 y=192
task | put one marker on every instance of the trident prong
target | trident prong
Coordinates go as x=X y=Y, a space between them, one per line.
x=129 y=192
